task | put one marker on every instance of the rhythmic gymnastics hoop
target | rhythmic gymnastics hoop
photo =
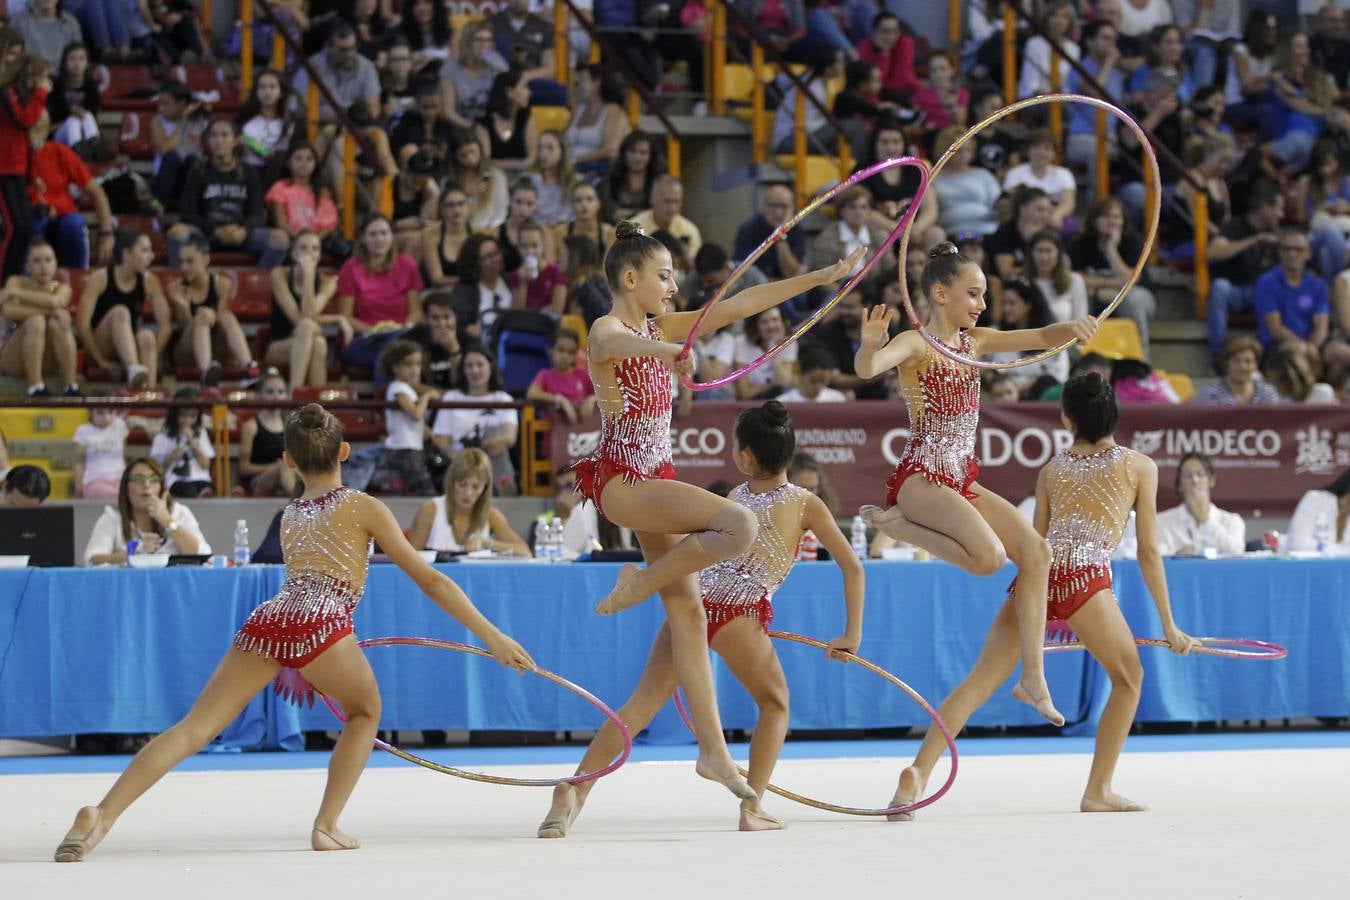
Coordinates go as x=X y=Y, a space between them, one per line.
x=481 y=776
x=1135 y=273
x=902 y=227
x=853 y=810
x=1228 y=648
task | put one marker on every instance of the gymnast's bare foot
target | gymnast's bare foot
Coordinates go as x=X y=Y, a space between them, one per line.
x=1110 y=803
x=906 y=792
x=725 y=775
x=889 y=522
x=567 y=801
x=621 y=597
x=755 y=819
x=1039 y=700
x=332 y=839
x=83 y=836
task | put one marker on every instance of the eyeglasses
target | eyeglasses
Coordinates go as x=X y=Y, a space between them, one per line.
x=1293 y=248
x=143 y=479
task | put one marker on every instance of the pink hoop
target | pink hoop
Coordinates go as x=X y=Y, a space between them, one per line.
x=913 y=695
x=781 y=232
x=1228 y=648
x=480 y=776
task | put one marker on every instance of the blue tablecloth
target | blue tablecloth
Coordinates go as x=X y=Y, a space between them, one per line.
x=117 y=650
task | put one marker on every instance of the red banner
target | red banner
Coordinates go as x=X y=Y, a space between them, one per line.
x=1265 y=459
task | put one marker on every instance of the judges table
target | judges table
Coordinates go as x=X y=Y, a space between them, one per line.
x=127 y=650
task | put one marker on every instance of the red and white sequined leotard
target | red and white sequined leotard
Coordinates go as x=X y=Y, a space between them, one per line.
x=943 y=400
x=744 y=586
x=326 y=554
x=1090 y=499
x=635 y=397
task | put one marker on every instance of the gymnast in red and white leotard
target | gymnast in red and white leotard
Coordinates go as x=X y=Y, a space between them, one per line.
x=1083 y=501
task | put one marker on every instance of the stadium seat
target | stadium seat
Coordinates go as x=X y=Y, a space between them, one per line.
x=577 y=324
x=821 y=172
x=134 y=138
x=210 y=83
x=1117 y=339
x=738 y=82
x=550 y=118
x=253 y=295
x=521 y=338
x=357 y=424
x=1181 y=383
x=130 y=87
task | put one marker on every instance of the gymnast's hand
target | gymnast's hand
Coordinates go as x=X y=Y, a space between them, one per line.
x=507 y=652
x=840 y=270
x=842 y=647
x=1179 y=641
x=876 y=327
x=1083 y=329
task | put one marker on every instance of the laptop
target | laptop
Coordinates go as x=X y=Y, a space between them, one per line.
x=45 y=534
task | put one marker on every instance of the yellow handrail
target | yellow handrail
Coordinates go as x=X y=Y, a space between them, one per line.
x=1009 y=53
x=1103 y=156
x=954 y=23
x=312 y=111
x=1200 y=209
x=799 y=148
x=220 y=433
x=758 y=122
x=673 y=164
x=634 y=108
x=246 y=45
x=562 y=56
x=348 y=185
x=1056 y=109
x=718 y=57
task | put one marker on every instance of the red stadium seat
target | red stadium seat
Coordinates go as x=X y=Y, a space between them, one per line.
x=206 y=81
x=130 y=87
x=134 y=138
x=253 y=295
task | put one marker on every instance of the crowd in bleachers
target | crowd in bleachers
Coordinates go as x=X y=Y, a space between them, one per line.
x=203 y=249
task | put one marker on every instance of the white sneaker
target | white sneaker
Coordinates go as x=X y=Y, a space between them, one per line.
x=137 y=375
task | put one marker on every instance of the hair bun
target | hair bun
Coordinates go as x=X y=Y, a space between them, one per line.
x=775 y=413
x=312 y=415
x=627 y=229
x=946 y=248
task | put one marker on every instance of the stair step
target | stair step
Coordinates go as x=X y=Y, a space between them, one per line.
x=1176 y=330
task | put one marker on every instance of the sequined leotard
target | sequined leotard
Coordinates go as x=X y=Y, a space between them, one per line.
x=634 y=396
x=1090 y=499
x=325 y=551
x=744 y=586
x=943 y=400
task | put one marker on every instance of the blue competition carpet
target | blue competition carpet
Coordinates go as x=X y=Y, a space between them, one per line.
x=483 y=758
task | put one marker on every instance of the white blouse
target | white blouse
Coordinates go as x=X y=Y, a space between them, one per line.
x=107 y=534
x=1316 y=505
x=1224 y=531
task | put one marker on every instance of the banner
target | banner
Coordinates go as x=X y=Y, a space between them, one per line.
x=1265 y=458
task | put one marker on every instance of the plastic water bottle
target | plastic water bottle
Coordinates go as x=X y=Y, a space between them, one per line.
x=557 y=543
x=809 y=548
x=1322 y=533
x=859 y=537
x=242 y=554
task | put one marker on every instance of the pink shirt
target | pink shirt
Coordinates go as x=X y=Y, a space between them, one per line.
x=302 y=212
x=380 y=296
x=936 y=114
x=539 y=294
x=574 y=385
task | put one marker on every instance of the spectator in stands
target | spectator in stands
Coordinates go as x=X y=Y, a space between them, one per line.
x=841 y=337
x=1002 y=389
x=107 y=27
x=524 y=201
x=1138 y=18
x=712 y=268
x=57 y=174
x=493 y=430
x=599 y=123
x=967 y=195
x=507 y=128
x=25 y=487
x=223 y=202
x=1040 y=171
x=778 y=23
x=1101 y=60
x=416 y=199
x=1292 y=369
x=629 y=182
x=1007 y=247
x=438 y=337
x=860 y=104
x=463 y=519
x=893 y=188
x=1301 y=105
x=266 y=123
x=850 y=231
x=402 y=468
x=784 y=259
x=426 y=25
x=100 y=452
x=483 y=183
x=176 y=132
x=826 y=65
x=587 y=290
x=200 y=301
x=425 y=127
x=525 y=40
x=1210 y=160
x=539 y=283
x=1240 y=383
x=553 y=178
x=1047 y=265
x=40 y=338
x=466 y=79
x=1324 y=191
x=565 y=388
x=1292 y=305
x=175 y=33
x=813 y=380
x=296 y=202
x=47 y=30
x=378 y=292
x=400 y=80
x=1209 y=110
x=348 y=75
x=1160 y=113
x=891 y=51
x=1330 y=47
x=763 y=332
x=482 y=293
x=74 y=104
x=375 y=31
x=300 y=296
x=667 y=201
x=1320 y=519
x=1105 y=253
x=806 y=472
x=1166 y=48
x=999 y=145
x=109 y=314
x=24 y=85
x=586 y=221
x=184 y=448
x=1252 y=63
x=1242 y=253
x=261 y=441
x=146 y=513
x=1197 y=525
x=1024 y=306
x=1212 y=27
x=943 y=102
x=1059 y=22
x=443 y=239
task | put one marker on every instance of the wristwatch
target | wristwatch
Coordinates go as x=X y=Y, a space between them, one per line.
x=172 y=527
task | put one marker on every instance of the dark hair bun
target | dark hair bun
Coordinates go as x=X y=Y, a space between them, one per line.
x=775 y=413
x=626 y=230
x=946 y=248
x=312 y=415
